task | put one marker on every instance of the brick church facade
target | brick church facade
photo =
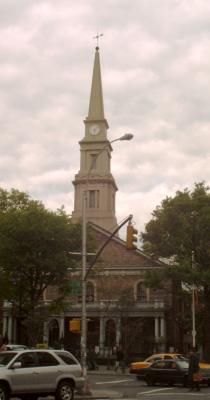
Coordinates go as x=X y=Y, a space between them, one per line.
x=121 y=310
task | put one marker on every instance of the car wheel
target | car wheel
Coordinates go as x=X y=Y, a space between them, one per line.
x=64 y=391
x=185 y=381
x=4 y=393
x=149 y=381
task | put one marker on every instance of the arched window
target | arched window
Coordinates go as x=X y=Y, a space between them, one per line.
x=94 y=198
x=90 y=292
x=141 y=294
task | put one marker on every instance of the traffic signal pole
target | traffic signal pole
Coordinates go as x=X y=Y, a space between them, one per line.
x=126 y=136
x=129 y=218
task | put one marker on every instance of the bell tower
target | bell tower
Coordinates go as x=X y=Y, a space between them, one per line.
x=94 y=176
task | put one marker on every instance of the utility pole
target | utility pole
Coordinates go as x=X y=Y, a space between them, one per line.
x=193 y=303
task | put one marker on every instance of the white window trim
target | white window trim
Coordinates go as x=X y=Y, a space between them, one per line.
x=135 y=290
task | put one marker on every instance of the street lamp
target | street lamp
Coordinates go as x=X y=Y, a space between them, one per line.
x=126 y=136
x=193 y=304
x=194 y=214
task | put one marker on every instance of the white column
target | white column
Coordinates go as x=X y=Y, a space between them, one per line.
x=46 y=332
x=14 y=330
x=156 y=328
x=162 y=327
x=5 y=323
x=118 y=331
x=102 y=336
x=61 y=330
x=61 y=327
x=162 y=333
x=9 y=332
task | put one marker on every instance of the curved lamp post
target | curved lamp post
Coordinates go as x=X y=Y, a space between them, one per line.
x=126 y=136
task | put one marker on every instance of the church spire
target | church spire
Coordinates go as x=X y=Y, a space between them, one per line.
x=96 y=105
x=95 y=177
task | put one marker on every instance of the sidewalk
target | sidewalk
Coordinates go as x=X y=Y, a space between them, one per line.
x=104 y=371
x=106 y=393
x=99 y=394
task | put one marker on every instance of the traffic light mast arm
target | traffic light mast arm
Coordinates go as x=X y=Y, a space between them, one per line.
x=129 y=218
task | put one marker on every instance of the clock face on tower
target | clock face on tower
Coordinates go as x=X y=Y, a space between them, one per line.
x=94 y=129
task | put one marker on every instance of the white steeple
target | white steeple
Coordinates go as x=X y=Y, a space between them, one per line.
x=95 y=175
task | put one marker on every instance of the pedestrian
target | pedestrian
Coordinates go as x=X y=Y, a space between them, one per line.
x=92 y=359
x=108 y=356
x=3 y=344
x=193 y=372
x=120 y=362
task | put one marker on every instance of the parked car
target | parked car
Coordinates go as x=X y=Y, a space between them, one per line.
x=165 y=371
x=205 y=372
x=29 y=374
x=135 y=367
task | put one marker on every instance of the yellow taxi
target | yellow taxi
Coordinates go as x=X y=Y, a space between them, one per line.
x=205 y=372
x=136 y=366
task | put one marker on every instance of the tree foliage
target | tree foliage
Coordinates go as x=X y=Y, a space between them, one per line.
x=182 y=225
x=180 y=230
x=34 y=251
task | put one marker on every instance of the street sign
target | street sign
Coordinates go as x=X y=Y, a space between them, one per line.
x=74 y=325
x=75 y=287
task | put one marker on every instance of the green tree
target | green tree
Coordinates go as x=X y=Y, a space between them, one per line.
x=34 y=254
x=179 y=228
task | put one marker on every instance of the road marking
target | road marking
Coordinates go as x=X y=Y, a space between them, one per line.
x=180 y=394
x=112 y=382
x=154 y=391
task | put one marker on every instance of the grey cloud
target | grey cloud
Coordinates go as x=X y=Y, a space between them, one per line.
x=155 y=70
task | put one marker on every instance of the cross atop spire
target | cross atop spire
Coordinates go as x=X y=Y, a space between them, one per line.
x=97 y=39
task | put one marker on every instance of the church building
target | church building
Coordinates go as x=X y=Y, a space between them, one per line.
x=121 y=310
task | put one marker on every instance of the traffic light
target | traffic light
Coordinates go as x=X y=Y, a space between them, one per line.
x=131 y=238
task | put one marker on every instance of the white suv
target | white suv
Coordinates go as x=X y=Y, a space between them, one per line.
x=29 y=374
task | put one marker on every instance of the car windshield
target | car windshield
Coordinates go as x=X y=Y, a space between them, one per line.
x=67 y=358
x=153 y=358
x=184 y=364
x=6 y=357
x=180 y=357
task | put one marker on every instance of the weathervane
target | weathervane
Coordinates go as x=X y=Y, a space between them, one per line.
x=97 y=38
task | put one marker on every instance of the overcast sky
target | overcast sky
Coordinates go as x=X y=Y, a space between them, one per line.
x=156 y=82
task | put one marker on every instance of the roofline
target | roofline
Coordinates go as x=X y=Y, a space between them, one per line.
x=123 y=243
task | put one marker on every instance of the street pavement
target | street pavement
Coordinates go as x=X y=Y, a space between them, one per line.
x=133 y=391
x=90 y=393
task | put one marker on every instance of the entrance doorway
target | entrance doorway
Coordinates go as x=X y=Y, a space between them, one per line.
x=54 y=334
